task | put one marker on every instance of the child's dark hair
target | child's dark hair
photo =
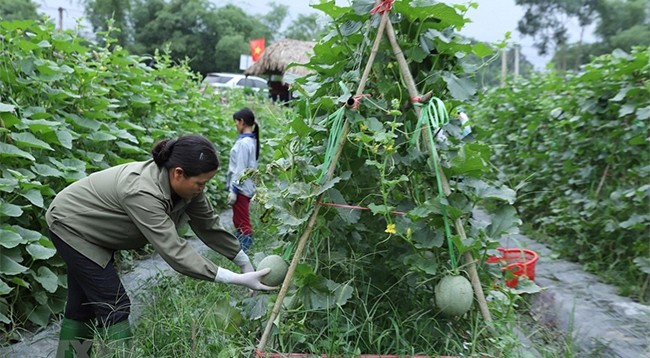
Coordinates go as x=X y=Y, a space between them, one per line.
x=192 y=153
x=248 y=117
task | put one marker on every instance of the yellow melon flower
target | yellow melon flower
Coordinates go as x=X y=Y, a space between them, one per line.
x=390 y=229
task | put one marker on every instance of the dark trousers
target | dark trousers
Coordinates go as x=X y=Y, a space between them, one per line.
x=93 y=292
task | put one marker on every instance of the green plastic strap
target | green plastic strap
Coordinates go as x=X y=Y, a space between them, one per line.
x=336 y=130
x=434 y=115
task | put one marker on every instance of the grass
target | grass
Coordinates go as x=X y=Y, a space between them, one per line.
x=187 y=317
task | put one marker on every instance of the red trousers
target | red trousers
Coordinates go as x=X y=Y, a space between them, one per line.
x=241 y=217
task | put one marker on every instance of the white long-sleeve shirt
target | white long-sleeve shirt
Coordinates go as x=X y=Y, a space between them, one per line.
x=242 y=157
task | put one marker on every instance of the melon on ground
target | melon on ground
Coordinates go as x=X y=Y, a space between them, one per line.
x=454 y=295
x=278 y=268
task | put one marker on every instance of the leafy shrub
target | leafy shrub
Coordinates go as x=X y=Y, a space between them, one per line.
x=577 y=147
x=68 y=108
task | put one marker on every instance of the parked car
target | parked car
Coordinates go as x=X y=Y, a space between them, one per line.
x=221 y=81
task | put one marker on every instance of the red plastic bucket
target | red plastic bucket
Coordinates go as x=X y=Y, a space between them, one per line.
x=519 y=262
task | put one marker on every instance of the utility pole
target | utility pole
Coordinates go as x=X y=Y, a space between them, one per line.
x=61 y=18
x=504 y=65
x=516 y=61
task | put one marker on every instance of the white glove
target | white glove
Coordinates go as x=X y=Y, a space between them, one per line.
x=249 y=279
x=244 y=262
x=232 y=198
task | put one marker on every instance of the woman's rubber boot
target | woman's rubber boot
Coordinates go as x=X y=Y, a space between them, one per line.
x=246 y=241
x=116 y=341
x=75 y=339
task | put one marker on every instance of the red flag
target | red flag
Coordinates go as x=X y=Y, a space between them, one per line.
x=257 y=47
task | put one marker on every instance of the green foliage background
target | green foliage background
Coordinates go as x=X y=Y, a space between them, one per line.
x=68 y=108
x=577 y=147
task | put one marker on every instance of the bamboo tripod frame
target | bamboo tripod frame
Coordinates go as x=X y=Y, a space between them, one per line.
x=408 y=78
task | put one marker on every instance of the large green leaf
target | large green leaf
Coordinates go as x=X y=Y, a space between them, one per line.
x=27 y=234
x=8 y=185
x=481 y=49
x=11 y=151
x=504 y=221
x=10 y=238
x=643 y=113
x=461 y=89
x=4 y=107
x=330 y=9
x=426 y=9
x=41 y=125
x=101 y=136
x=65 y=138
x=255 y=307
x=34 y=196
x=483 y=190
x=40 y=252
x=46 y=170
x=40 y=315
x=36 y=112
x=4 y=318
x=47 y=279
x=4 y=288
x=30 y=141
x=643 y=263
x=130 y=149
x=8 y=209
x=341 y=293
x=470 y=161
x=300 y=127
x=8 y=266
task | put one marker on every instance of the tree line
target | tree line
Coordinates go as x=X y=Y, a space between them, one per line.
x=211 y=37
x=617 y=24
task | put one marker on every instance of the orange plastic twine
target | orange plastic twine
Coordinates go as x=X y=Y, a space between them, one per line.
x=357 y=100
x=382 y=7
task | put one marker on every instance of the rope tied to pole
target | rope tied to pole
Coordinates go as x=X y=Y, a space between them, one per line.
x=357 y=100
x=382 y=7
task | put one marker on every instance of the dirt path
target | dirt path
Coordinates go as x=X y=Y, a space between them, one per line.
x=599 y=322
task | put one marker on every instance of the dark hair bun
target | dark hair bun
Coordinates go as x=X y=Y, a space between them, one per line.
x=162 y=151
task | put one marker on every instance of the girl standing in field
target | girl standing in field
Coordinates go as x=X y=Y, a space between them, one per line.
x=243 y=155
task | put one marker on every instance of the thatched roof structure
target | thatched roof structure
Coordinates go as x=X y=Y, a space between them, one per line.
x=278 y=56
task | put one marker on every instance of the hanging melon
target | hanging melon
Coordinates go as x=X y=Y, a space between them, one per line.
x=278 y=267
x=454 y=295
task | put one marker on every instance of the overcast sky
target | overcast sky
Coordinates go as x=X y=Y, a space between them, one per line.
x=490 y=21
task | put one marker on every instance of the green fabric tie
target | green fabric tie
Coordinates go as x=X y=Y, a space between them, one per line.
x=434 y=116
x=336 y=120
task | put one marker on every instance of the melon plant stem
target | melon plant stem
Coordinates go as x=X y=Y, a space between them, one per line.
x=413 y=93
x=330 y=172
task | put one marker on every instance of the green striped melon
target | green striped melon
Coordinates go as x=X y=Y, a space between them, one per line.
x=278 y=268
x=454 y=295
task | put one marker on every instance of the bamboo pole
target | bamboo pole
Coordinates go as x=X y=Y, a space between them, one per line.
x=330 y=172
x=413 y=93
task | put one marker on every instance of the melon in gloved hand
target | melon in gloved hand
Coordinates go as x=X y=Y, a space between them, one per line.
x=454 y=295
x=278 y=268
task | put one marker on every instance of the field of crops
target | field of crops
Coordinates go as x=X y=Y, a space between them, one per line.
x=356 y=184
